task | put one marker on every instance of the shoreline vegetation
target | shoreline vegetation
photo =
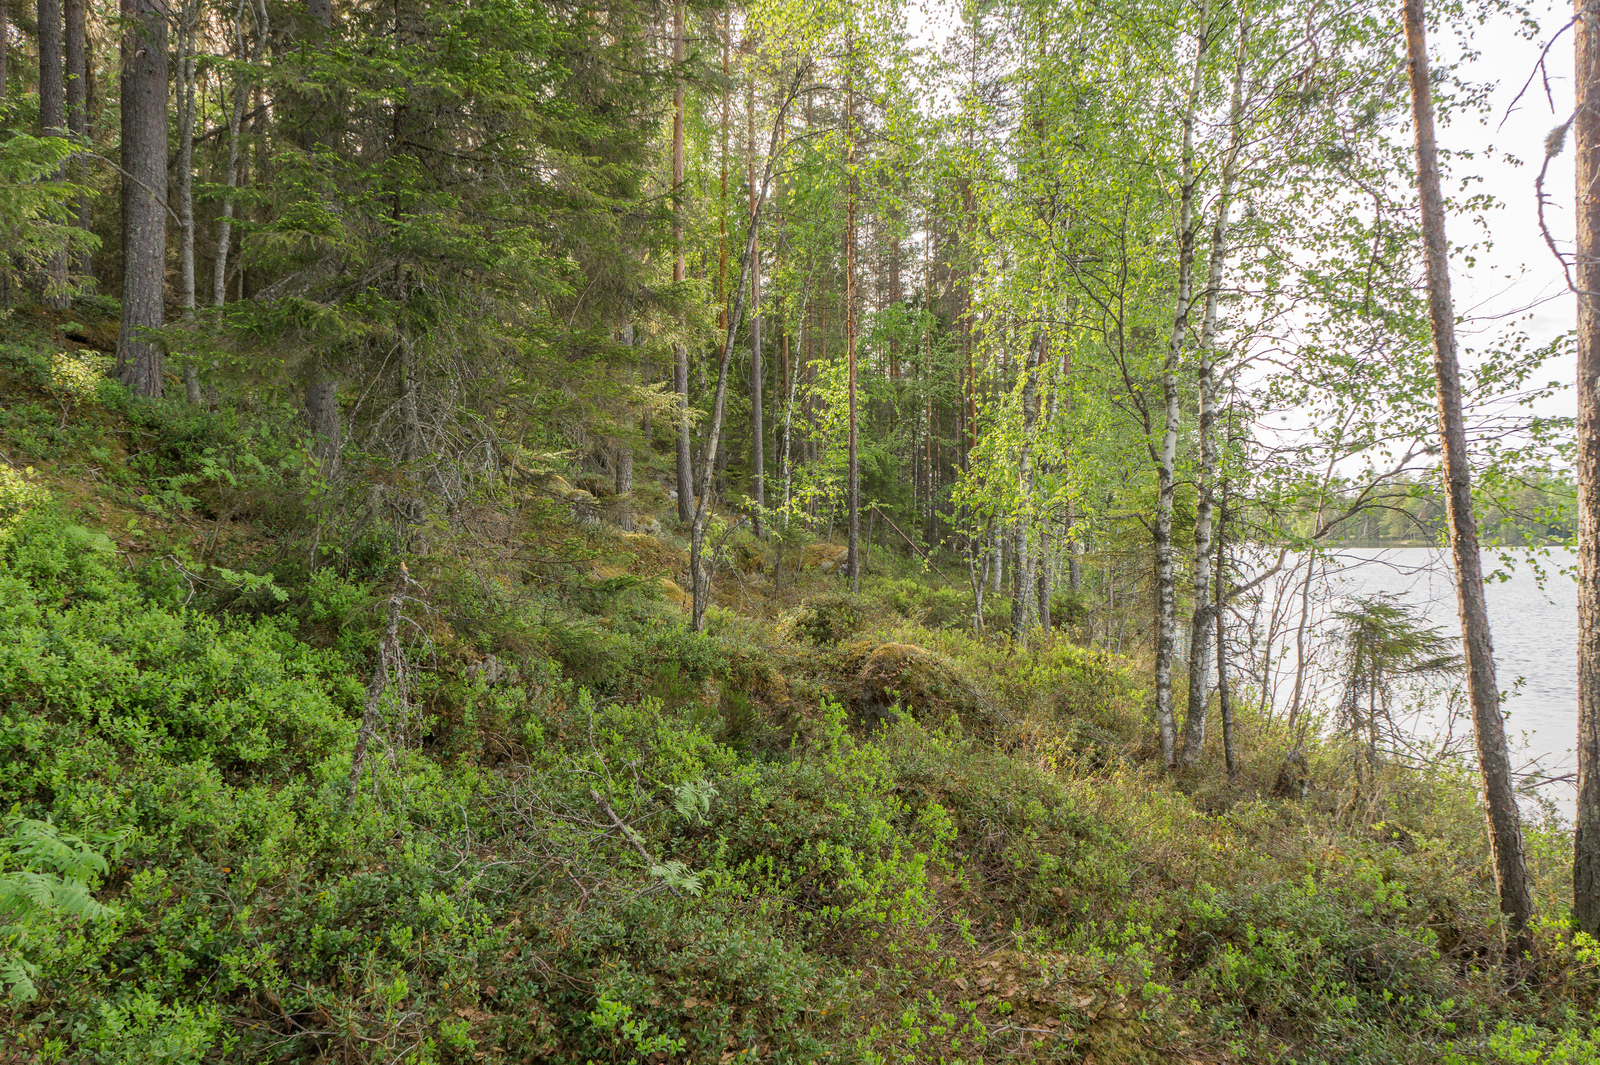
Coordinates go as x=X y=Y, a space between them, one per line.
x=831 y=827
x=620 y=532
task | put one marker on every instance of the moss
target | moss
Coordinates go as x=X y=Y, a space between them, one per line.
x=894 y=677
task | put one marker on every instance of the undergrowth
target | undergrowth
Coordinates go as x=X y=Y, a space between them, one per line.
x=860 y=833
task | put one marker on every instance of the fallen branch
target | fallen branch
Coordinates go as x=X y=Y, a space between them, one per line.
x=913 y=543
x=629 y=834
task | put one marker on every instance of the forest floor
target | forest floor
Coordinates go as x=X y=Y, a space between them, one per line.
x=831 y=828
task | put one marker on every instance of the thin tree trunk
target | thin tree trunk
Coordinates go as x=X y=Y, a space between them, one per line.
x=322 y=384
x=1494 y=761
x=1224 y=694
x=144 y=192
x=187 y=19
x=1166 y=460
x=5 y=75
x=680 y=351
x=1022 y=573
x=241 y=96
x=1074 y=550
x=53 y=123
x=1300 y=663
x=853 y=489
x=700 y=575
x=1203 y=617
x=1586 y=845
x=623 y=483
x=758 y=425
x=77 y=56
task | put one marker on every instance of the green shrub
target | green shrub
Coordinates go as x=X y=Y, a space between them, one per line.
x=934 y=608
x=826 y=618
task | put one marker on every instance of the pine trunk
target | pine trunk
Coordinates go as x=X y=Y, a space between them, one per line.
x=1494 y=761
x=853 y=490
x=680 y=351
x=1586 y=128
x=144 y=192
x=77 y=42
x=53 y=123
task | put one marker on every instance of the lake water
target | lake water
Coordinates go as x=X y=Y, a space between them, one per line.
x=1535 y=628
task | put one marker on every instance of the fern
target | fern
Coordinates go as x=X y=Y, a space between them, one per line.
x=45 y=875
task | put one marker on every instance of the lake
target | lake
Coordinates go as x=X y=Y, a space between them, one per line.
x=1535 y=627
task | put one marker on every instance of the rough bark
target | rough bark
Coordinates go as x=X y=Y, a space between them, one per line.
x=1494 y=762
x=1167 y=457
x=680 y=351
x=1586 y=128
x=77 y=69
x=853 y=489
x=144 y=192
x=53 y=123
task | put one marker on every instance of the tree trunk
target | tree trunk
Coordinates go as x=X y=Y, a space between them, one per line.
x=758 y=425
x=188 y=17
x=241 y=96
x=1586 y=853
x=77 y=42
x=623 y=447
x=1022 y=572
x=1203 y=617
x=144 y=192
x=680 y=351
x=853 y=489
x=1494 y=762
x=322 y=412
x=53 y=123
x=699 y=574
x=322 y=384
x=1074 y=550
x=1166 y=460
x=1224 y=694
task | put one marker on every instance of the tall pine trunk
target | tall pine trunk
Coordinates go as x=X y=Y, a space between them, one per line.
x=53 y=123
x=680 y=351
x=1494 y=761
x=1586 y=123
x=77 y=67
x=853 y=488
x=322 y=384
x=144 y=192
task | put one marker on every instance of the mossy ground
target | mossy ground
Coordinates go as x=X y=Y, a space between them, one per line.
x=830 y=828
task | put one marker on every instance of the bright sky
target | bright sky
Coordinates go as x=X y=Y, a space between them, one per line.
x=1519 y=272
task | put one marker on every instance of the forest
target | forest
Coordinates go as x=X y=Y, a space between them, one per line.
x=608 y=531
